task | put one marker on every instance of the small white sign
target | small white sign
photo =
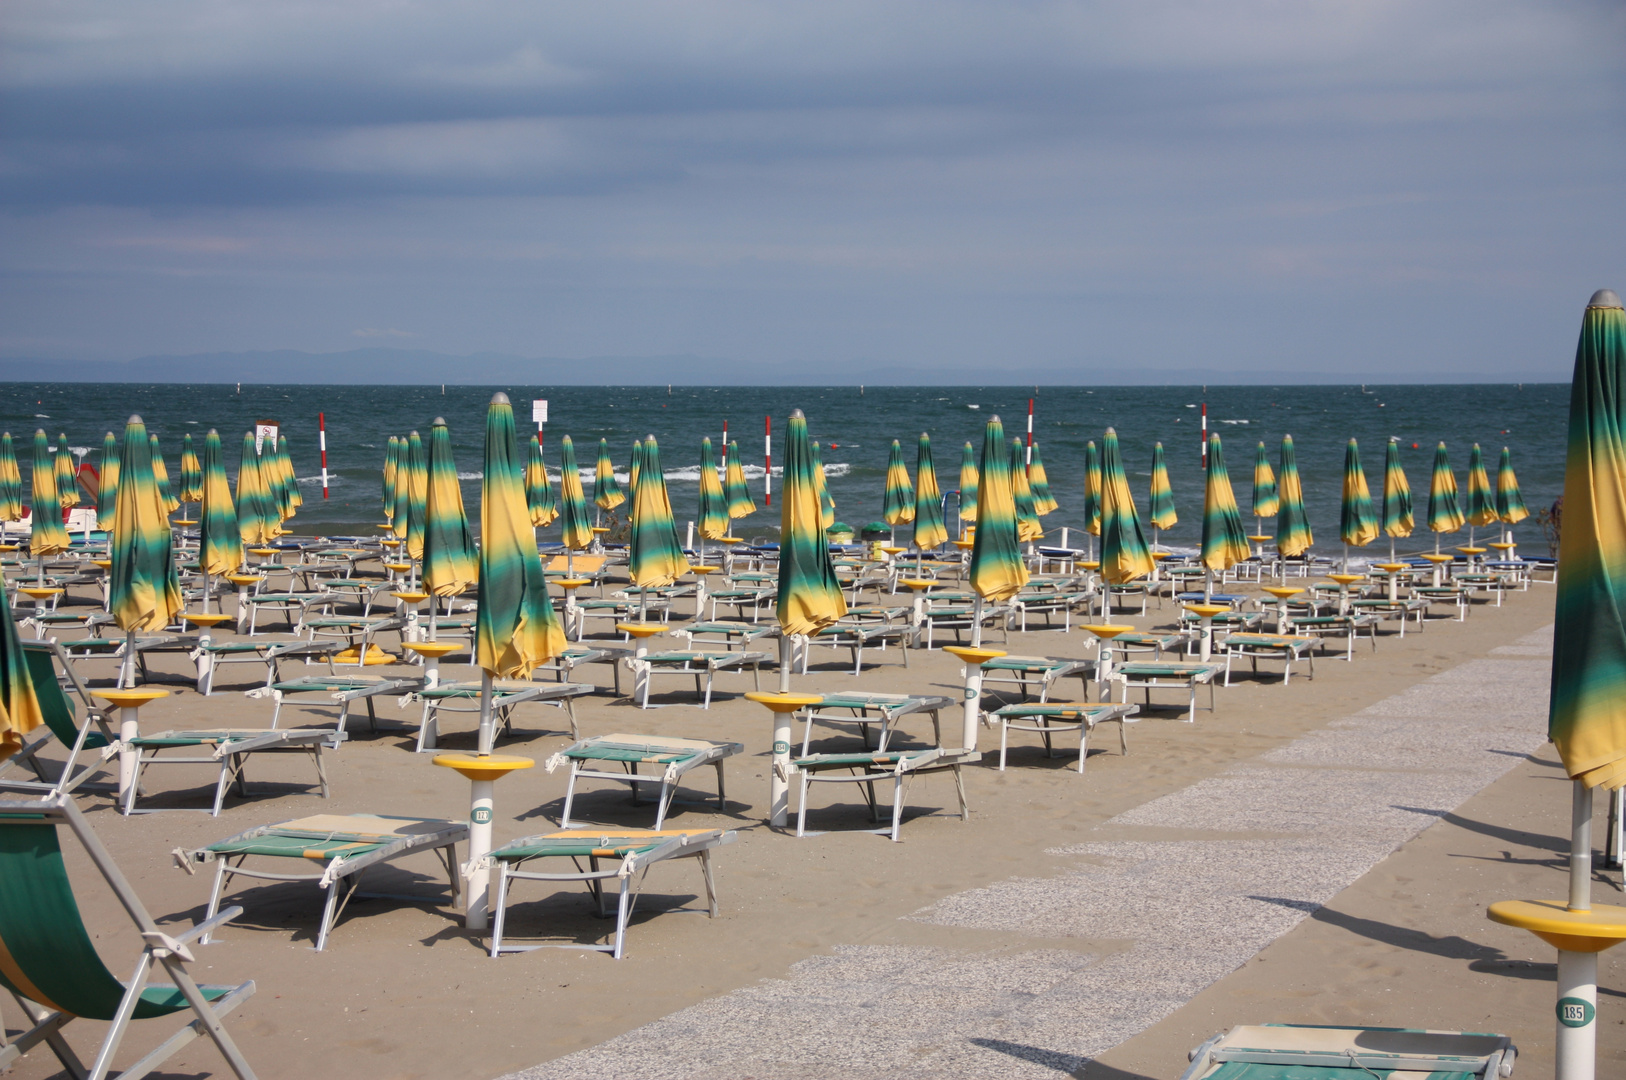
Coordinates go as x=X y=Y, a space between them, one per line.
x=265 y=429
x=539 y=411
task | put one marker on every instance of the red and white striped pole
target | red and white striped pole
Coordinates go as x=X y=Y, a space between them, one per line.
x=1029 y=462
x=1205 y=434
x=725 y=444
x=767 y=461
x=321 y=435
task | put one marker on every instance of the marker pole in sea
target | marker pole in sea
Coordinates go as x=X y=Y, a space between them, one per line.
x=767 y=461
x=1205 y=434
x=725 y=444
x=321 y=438
x=1028 y=463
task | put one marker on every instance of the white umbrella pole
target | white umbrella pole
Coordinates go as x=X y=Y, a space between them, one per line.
x=1575 y=1048
x=1345 y=570
x=976 y=623
x=486 y=733
x=1208 y=584
x=206 y=592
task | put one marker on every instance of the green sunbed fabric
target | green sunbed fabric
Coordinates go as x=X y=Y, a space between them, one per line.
x=1244 y=1070
x=1063 y=710
x=603 y=846
x=55 y=705
x=295 y=846
x=1163 y=670
x=1016 y=663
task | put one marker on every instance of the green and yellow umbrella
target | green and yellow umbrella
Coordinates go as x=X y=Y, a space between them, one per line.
x=898 y=508
x=1587 y=718
x=539 y=498
x=191 y=473
x=256 y=517
x=1092 y=489
x=930 y=530
x=655 y=555
x=1357 y=523
x=392 y=461
x=417 y=495
x=1397 y=510
x=1225 y=541
x=1444 y=514
x=1266 y=503
x=809 y=595
x=107 y=482
x=220 y=540
x=827 y=503
x=576 y=528
x=607 y=494
x=1028 y=528
x=968 y=484
x=401 y=486
x=450 y=562
x=20 y=710
x=1510 y=508
x=1481 y=499
x=712 y=516
x=517 y=629
x=1039 y=481
x=997 y=570
x=279 y=479
x=637 y=462
x=67 y=486
x=144 y=591
x=290 y=478
x=50 y=536
x=1160 y=507
x=11 y=481
x=1293 y=535
x=160 y=474
x=1124 y=555
x=734 y=486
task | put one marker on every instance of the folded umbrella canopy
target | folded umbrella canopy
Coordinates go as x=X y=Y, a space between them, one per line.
x=401 y=488
x=637 y=461
x=655 y=555
x=392 y=460
x=107 y=482
x=898 y=506
x=191 y=473
x=1124 y=555
x=1028 y=528
x=607 y=494
x=11 y=481
x=712 y=515
x=1225 y=541
x=1293 y=535
x=417 y=462
x=997 y=571
x=1481 y=499
x=1266 y=503
x=1397 y=510
x=968 y=484
x=1160 y=506
x=450 y=561
x=1092 y=490
x=576 y=528
x=1587 y=710
x=827 y=502
x=256 y=517
x=539 y=498
x=160 y=473
x=1039 y=481
x=930 y=531
x=144 y=591
x=67 y=484
x=1510 y=508
x=1357 y=523
x=20 y=710
x=1444 y=514
x=809 y=595
x=290 y=479
x=220 y=540
x=50 y=536
x=734 y=487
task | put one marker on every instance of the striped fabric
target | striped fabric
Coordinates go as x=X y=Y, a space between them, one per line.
x=576 y=528
x=191 y=473
x=655 y=556
x=450 y=562
x=930 y=531
x=997 y=571
x=712 y=514
x=1028 y=528
x=1397 y=510
x=1092 y=489
x=160 y=475
x=607 y=494
x=417 y=462
x=1357 y=523
x=392 y=461
x=1124 y=555
x=1444 y=514
x=67 y=487
x=1225 y=541
x=1265 y=501
x=50 y=536
x=809 y=595
x=968 y=484
x=734 y=487
x=1293 y=535
x=1044 y=502
x=144 y=592
x=11 y=480
x=220 y=541
x=1510 y=506
x=256 y=518
x=20 y=710
x=1481 y=499
x=1160 y=506
x=898 y=505
x=539 y=497
x=827 y=502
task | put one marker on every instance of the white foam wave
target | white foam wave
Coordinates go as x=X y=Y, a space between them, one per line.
x=471 y=476
x=332 y=481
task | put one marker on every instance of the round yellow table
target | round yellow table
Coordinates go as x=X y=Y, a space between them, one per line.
x=432 y=651
x=1104 y=633
x=973 y=656
x=1282 y=593
x=483 y=771
x=639 y=633
x=1344 y=581
x=1205 y=614
x=783 y=706
x=129 y=703
x=40 y=594
x=1440 y=561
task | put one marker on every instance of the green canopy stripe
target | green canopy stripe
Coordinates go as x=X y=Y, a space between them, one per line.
x=1160 y=507
x=450 y=561
x=417 y=461
x=67 y=487
x=160 y=475
x=191 y=472
x=1510 y=506
x=1092 y=489
x=1293 y=535
x=930 y=530
x=1357 y=523
x=1481 y=499
x=1444 y=514
x=1039 y=481
x=20 y=710
x=11 y=480
x=968 y=484
x=144 y=589
x=1397 y=509
x=740 y=503
x=1027 y=521
x=50 y=536
x=655 y=555
x=898 y=503
x=256 y=521
x=539 y=497
x=997 y=571
x=401 y=486
x=809 y=595
x=827 y=502
x=576 y=528
x=1225 y=541
x=392 y=460
x=220 y=541
x=712 y=514
x=1124 y=555
x=607 y=494
x=1266 y=503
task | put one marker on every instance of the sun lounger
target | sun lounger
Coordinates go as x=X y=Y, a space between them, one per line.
x=1048 y=602
x=957 y=617
x=727 y=634
x=856 y=637
x=617 y=611
x=229 y=750
x=53 y=966
x=506 y=696
x=564 y=666
x=758 y=600
x=633 y=852
x=1041 y=671
x=1154 y=675
x=1348 y=627
x=866 y=768
x=1288 y=648
x=1399 y=610
x=1445 y=594
x=704 y=666
x=57 y=686
x=864 y=710
x=1325 y=1052
x=1050 y=719
x=675 y=756
x=350 y=628
x=340 y=688
x=341 y=845
x=258 y=651
x=1154 y=643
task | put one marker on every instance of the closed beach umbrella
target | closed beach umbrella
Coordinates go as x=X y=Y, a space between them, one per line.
x=417 y=495
x=576 y=528
x=220 y=541
x=290 y=478
x=20 y=710
x=1293 y=535
x=401 y=484
x=1092 y=489
x=392 y=456
x=827 y=503
x=740 y=503
x=968 y=484
x=450 y=561
x=144 y=591
x=637 y=459
x=1124 y=555
x=160 y=473
x=1510 y=506
x=1357 y=523
x=712 y=515
x=1397 y=510
x=191 y=473
x=809 y=594
x=930 y=531
x=67 y=486
x=256 y=517
x=1028 y=528
x=655 y=555
x=997 y=570
x=1039 y=481
x=1266 y=503
x=107 y=483
x=898 y=508
x=607 y=494
x=50 y=535
x=539 y=498
x=1481 y=499
x=1587 y=718
x=1225 y=541
x=11 y=481
x=1160 y=507
x=1444 y=514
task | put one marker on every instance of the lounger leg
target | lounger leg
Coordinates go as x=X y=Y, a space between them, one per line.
x=121 y=1019
x=707 y=703
x=722 y=801
x=663 y=803
x=897 y=805
x=214 y=898
x=1083 y=744
x=959 y=789
x=321 y=770
x=1004 y=738
x=801 y=807
x=428 y=728
x=221 y=783
x=570 y=794
x=623 y=910
x=711 y=883
x=499 y=915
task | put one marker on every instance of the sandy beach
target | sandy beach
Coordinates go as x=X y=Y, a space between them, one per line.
x=1384 y=804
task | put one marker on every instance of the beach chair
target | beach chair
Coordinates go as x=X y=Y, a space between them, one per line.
x=1288 y=648
x=755 y=600
x=1327 y=1052
x=1347 y=626
x=856 y=637
x=727 y=634
x=1149 y=675
x=1155 y=643
x=336 y=688
x=633 y=852
x=506 y=696
x=565 y=665
x=865 y=710
x=1043 y=672
x=703 y=666
x=216 y=654
x=1445 y=594
x=1399 y=610
x=675 y=757
x=866 y=769
x=228 y=749
x=57 y=685
x=1048 y=720
x=342 y=846
x=52 y=965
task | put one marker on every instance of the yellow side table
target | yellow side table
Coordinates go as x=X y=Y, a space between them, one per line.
x=1282 y=593
x=432 y=651
x=1440 y=561
x=483 y=772
x=639 y=633
x=1205 y=613
x=783 y=706
x=973 y=657
x=410 y=599
x=1104 y=633
x=129 y=703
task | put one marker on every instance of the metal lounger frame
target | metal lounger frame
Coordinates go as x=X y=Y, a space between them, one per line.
x=671 y=773
x=1043 y=721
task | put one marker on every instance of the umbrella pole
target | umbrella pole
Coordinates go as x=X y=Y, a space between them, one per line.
x=486 y=734
x=1345 y=570
x=1208 y=584
x=206 y=592
x=976 y=623
x=127 y=665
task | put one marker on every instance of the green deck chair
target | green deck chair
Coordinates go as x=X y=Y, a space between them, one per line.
x=61 y=722
x=50 y=965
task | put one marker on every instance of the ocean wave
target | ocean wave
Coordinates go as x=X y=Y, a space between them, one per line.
x=332 y=480
x=471 y=476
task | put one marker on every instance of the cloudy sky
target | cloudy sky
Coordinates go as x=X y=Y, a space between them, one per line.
x=1431 y=189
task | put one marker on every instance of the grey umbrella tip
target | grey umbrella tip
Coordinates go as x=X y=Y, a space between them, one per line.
x=994 y=419
x=135 y=419
x=440 y=421
x=649 y=438
x=412 y=434
x=212 y=431
x=1112 y=431
x=796 y=414
x=499 y=398
x=1604 y=298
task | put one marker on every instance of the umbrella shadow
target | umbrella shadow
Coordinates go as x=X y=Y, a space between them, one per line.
x=1053 y=1059
x=1520 y=837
